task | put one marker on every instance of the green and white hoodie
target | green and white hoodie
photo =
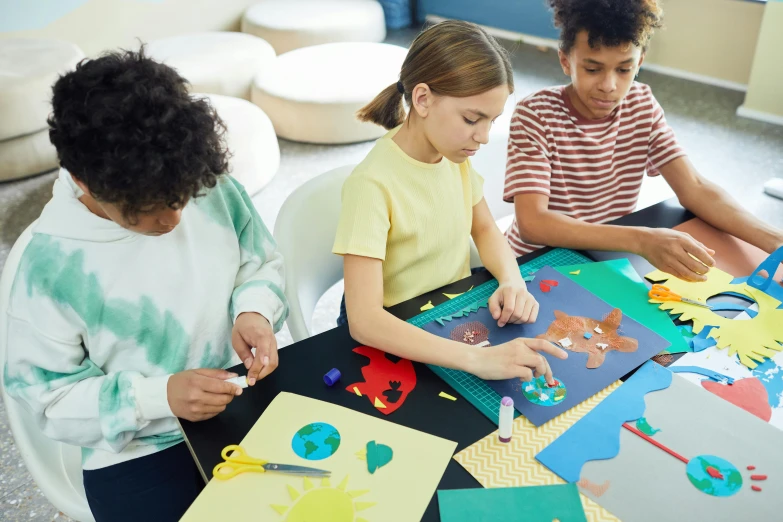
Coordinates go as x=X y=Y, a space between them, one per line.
x=100 y=316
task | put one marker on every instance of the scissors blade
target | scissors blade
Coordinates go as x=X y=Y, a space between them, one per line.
x=296 y=470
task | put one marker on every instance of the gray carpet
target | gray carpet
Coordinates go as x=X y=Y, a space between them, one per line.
x=737 y=153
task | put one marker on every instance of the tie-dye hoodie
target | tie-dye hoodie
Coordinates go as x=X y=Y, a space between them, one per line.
x=100 y=317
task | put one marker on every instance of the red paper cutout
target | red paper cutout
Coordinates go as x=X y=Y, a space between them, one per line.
x=749 y=394
x=751 y=468
x=550 y=282
x=544 y=287
x=758 y=477
x=714 y=473
x=755 y=488
x=385 y=382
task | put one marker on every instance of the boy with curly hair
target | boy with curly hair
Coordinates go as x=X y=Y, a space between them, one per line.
x=146 y=275
x=577 y=154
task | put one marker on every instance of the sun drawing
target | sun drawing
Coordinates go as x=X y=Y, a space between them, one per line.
x=324 y=503
x=753 y=340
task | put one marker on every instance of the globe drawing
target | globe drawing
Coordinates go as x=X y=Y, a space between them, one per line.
x=316 y=441
x=714 y=475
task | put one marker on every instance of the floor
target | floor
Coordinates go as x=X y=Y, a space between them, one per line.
x=737 y=153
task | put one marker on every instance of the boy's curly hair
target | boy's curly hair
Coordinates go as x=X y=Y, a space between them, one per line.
x=608 y=23
x=127 y=128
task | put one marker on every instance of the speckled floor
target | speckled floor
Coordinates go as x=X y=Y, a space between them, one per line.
x=739 y=154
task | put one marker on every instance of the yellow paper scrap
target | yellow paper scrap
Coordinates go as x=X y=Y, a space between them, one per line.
x=428 y=306
x=575 y=272
x=379 y=404
x=452 y=296
x=356 y=391
x=447 y=396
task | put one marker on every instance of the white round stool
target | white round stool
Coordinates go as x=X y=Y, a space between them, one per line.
x=28 y=69
x=313 y=94
x=292 y=24
x=27 y=155
x=217 y=62
x=250 y=138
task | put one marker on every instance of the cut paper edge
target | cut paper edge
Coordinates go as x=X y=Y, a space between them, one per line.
x=452 y=296
x=568 y=453
x=379 y=404
x=356 y=391
x=465 y=312
x=428 y=306
x=575 y=272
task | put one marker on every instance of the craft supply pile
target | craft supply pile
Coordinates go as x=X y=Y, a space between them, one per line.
x=693 y=434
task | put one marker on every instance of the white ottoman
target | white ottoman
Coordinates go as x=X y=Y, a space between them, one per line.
x=292 y=24
x=250 y=138
x=28 y=69
x=27 y=155
x=216 y=62
x=313 y=94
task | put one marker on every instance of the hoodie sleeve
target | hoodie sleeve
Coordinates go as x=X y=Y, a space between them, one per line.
x=70 y=397
x=260 y=280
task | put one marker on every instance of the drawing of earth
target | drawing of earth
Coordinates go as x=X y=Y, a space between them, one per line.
x=714 y=475
x=538 y=392
x=316 y=441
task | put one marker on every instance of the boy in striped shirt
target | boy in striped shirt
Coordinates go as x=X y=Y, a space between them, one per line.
x=578 y=153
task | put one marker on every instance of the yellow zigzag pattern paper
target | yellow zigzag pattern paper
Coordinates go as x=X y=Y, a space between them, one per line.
x=498 y=465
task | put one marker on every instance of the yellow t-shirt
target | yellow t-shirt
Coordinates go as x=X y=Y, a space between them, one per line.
x=414 y=216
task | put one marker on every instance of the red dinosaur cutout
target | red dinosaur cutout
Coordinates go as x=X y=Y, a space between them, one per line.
x=386 y=383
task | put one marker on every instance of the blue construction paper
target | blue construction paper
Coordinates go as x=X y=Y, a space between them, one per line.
x=596 y=436
x=581 y=382
x=774 y=289
x=529 y=504
x=710 y=374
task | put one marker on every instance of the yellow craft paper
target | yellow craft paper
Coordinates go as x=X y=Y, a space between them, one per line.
x=452 y=296
x=399 y=491
x=753 y=339
x=447 y=396
x=497 y=464
x=428 y=306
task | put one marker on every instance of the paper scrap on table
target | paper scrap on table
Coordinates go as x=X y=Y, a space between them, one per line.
x=447 y=396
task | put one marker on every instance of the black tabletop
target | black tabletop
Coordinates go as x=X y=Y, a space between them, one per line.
x=303 y=364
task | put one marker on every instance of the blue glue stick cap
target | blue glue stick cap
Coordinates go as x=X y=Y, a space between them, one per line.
x=332 y=376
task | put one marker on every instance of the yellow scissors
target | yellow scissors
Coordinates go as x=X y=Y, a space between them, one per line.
x=236 y=461
x=662 y=293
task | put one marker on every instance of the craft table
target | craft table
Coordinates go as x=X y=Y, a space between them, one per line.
x=303 y=365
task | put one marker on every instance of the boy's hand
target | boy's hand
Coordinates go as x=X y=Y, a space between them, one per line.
x=512 y=303
x=252 y=330
x=518 y=358
x=197 y=395
x=676 y=253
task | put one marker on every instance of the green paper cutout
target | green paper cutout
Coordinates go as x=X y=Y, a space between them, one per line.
x=464 y=312
x=644 y=426
x=531 y=504
x=617 y=283
x=376 y=455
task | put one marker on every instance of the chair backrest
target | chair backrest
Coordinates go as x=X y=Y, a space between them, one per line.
x=55 y=467
x=304 y=231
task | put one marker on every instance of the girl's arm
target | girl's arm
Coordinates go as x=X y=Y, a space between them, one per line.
x=511 y=303
x=373 y=326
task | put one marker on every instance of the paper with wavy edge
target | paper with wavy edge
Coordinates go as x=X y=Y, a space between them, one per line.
x=596 y=436
x=754 y=340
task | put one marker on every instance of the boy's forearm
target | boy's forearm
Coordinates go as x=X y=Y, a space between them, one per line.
x=716 y=207
x=557 y=230
x=380 y=329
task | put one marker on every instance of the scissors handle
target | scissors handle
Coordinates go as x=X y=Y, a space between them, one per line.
x=662 y=293
x=227 y=470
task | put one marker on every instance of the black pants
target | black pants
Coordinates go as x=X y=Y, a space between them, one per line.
x=158 y=487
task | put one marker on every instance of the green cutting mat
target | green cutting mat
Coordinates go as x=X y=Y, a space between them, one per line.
x=476 y=391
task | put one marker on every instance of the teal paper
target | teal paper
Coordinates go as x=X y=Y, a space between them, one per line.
x=617 y=283
x=530 y=504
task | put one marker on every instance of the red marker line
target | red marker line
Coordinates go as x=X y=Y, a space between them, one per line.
x=655 y=442
x=758 y=477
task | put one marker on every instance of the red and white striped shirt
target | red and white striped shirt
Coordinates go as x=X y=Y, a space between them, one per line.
x=591 y=169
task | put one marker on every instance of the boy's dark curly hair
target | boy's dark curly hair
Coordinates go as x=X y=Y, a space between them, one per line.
x=127 y=128
x=608 y=23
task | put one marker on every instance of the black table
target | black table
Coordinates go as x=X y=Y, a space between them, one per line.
x=303 y=364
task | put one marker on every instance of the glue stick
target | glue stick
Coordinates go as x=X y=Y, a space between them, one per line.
x=506 y=419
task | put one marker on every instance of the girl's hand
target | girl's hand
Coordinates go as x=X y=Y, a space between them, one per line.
x=512 y=303
x=520 y=358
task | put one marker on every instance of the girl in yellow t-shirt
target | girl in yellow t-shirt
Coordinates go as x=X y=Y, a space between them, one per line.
x=410 y=208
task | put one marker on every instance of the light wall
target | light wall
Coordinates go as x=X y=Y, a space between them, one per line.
x=96 y=25
x=766 y=79
x=712 y=38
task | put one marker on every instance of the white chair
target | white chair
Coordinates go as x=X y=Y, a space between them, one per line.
x=304 y=231
x=55 y=467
